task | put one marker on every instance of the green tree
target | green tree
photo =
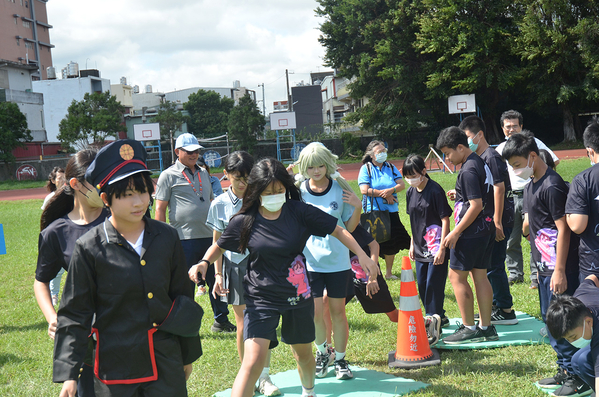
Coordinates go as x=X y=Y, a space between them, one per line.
x=245 y=123
x=208 y=113
x=558 y=46
x=97 y=116
x=471 y=45
x=170 y=118
x=371 y=43
x=13 y=130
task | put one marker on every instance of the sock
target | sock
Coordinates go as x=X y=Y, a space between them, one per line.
x=339 y=355
x=471 y=327
x=484 y=327
x=322 y=347
x=307 y=392
x=264 y=373
x=393 y=315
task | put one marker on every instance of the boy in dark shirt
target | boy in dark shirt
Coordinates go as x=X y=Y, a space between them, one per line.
x=582 y=206
x=576 y=318
x=475 y=130
x=471 y=242
x=553 y=249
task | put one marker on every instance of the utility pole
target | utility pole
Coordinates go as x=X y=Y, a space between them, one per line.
x=263 y=103
x=289 y=104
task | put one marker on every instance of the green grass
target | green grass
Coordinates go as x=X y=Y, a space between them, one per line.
x=12 y=185
x=26 y=350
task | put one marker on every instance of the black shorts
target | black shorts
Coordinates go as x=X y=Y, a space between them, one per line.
x=297 y=325
x=337 y=284
x=472 y=253
x=381 y=302
x=400 y=239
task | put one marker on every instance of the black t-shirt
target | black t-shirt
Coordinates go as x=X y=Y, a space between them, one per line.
x=56 y=243
x=426 y=209
x=583 y=199
x=475 y=182
x=500 y=174
x=545 y=201
x=588 y=293
x=276 y=275
x=363 y=238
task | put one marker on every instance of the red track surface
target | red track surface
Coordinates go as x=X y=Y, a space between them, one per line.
x=348 y=171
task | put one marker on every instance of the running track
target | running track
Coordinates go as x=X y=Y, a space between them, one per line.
x=349 y=172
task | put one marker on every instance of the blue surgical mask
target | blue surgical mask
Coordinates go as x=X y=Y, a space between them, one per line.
x=473 y=146
x=581 y=342
x=381 y=157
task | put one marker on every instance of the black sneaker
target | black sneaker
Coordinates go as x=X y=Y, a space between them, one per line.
x=573 y=387
x=444 y=322
x=322 y=363
x=477 y=315
x=223 y=327
x=555 y=381
x=490 y=333
x=464 y=335
x=499 y=317
x=515 y=279
x=342 y=370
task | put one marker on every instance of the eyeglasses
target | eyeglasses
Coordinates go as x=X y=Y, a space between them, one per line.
x=235 y=178
x=197 y=151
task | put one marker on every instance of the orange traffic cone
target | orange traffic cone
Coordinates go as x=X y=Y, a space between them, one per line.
x=413 y=350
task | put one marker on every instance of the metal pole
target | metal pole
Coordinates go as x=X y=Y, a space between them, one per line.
x=289 y=104
x=263 y=102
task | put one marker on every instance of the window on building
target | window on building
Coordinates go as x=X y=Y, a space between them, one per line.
x=16 y=21
x=18 y=42
x=26 y=24
x=29 y=45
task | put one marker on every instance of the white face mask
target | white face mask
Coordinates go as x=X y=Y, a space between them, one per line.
x=525 y=172
x=274 y=202
x=414 y=181
x=581 y=342
x=381 y=157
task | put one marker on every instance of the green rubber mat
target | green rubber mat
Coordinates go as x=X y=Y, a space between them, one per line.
x=366 y=383
x=526 y=332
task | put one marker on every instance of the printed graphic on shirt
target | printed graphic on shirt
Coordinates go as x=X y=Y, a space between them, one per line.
x=358 y=270
x=433 y=240
x=457 y=212
x=546 y=242
x=334 y=206
x=298 y=277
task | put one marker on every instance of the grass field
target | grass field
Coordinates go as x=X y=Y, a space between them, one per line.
x=26 y=350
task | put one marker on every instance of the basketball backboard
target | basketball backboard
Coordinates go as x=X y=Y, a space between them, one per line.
x=461 y=104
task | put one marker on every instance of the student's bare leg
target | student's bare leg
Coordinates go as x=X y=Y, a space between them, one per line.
x=326 y=314
x=238 y=310
x=484 y=295
x=463 y=295
x=254 y=358
x=389 y=265
x=306 y=366
x=319 y=322
x=339 y=321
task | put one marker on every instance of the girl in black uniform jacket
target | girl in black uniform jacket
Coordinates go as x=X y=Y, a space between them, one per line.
x=274 y=225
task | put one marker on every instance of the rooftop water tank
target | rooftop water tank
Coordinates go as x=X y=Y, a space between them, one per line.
x=136 y=89
x=123 y=80
x=236 y=84
x=51 y=72
x=148 y=89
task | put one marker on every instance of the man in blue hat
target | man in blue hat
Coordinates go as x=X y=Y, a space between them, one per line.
x=185 y=189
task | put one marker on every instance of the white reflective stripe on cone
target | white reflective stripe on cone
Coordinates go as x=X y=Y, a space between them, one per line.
x=409 y=303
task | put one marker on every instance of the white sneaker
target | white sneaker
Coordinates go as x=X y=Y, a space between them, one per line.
x=54 y=300
x=267 y=388
x=201 y=290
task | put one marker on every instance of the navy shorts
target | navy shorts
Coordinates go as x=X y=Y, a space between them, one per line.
x=472 y=253
x=337 y=284
x=297 y=325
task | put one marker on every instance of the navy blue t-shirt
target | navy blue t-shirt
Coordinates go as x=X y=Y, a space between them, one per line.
x=545 y=202
x=588 y=293
x=475 y=182
x=500 y=174
x=426 y=209
x=276 y=276
x=583 y=199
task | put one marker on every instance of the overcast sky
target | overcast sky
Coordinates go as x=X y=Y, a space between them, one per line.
x=190 y=43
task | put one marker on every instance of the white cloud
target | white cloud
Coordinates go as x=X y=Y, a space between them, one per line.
x=190 y=43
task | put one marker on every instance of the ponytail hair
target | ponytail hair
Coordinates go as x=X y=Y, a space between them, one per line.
x=315 y=155
x=51 y=185
x=414 y=165
x=369 y=152
x=265 y=172
x=63 y=201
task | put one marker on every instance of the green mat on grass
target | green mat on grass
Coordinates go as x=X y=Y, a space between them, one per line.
x=526 y=332
x=366 y=383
